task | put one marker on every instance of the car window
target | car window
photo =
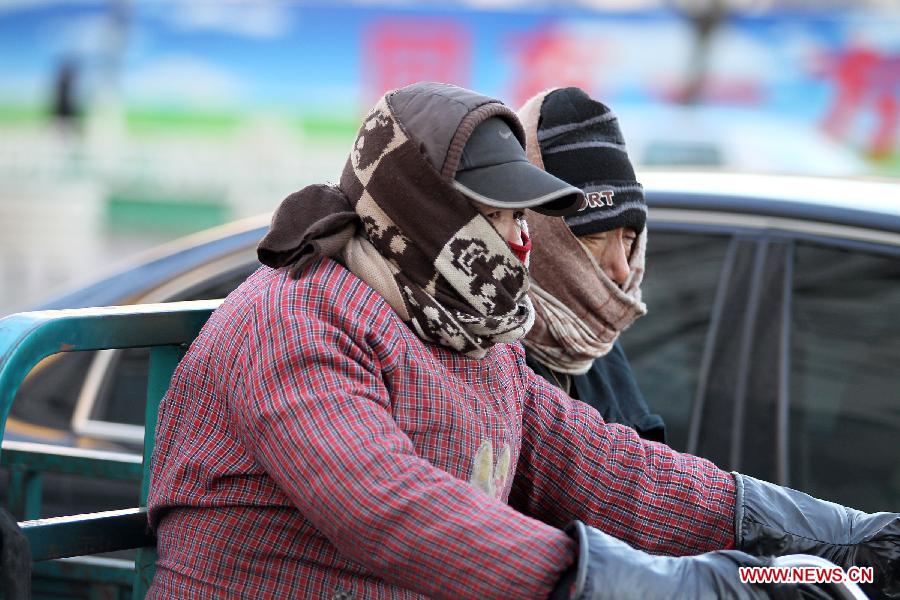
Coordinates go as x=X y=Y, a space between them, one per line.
x=48 y=395
x=665 y=347
x=845 y=383
x=122 y=394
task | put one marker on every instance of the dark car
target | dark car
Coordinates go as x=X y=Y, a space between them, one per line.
x=772 y=343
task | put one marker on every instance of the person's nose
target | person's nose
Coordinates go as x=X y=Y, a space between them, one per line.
x=615 y=262
x=513 y=232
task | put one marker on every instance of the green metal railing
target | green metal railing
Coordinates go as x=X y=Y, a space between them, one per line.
x=28 y=338
x=27 y=464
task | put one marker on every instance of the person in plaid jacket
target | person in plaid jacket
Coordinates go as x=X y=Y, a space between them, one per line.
x=357 y=420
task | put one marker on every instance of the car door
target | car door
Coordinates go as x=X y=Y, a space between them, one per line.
x=666 y=348
x=738 y=407
x=844 y=417
x=774 y=352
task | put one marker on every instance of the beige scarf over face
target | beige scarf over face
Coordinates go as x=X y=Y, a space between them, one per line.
x=579 y=310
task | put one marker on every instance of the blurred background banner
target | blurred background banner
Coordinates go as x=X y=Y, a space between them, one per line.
x=124 y=124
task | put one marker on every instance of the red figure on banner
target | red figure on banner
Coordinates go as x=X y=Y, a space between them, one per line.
x=398 y=52
x=865 y=78
x=550 y=57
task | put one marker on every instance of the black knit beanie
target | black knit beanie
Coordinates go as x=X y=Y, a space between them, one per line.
x=581 y=144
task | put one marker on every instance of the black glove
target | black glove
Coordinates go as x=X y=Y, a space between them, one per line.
x=775 y=520
x=609 y=568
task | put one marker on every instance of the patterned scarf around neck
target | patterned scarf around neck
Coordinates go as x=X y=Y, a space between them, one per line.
x=438 y=263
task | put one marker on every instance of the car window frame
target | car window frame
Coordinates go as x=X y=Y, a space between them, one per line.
x=764 y=230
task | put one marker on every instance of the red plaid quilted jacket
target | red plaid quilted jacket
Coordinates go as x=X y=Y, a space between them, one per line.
x=311 y=446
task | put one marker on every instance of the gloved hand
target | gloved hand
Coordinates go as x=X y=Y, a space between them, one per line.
x=608 y=568
x=775 y=520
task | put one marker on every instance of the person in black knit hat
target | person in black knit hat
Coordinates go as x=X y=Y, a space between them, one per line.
x=586 y=271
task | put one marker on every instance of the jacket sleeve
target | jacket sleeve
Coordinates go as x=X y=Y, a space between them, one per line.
x=573 y=465
x=316 y=417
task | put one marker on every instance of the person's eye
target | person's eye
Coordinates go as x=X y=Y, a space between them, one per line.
x=630 y=243
x=493 y=216
x=519 y=215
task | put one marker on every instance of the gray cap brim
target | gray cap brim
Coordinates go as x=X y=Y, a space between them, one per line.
x=519 y=184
